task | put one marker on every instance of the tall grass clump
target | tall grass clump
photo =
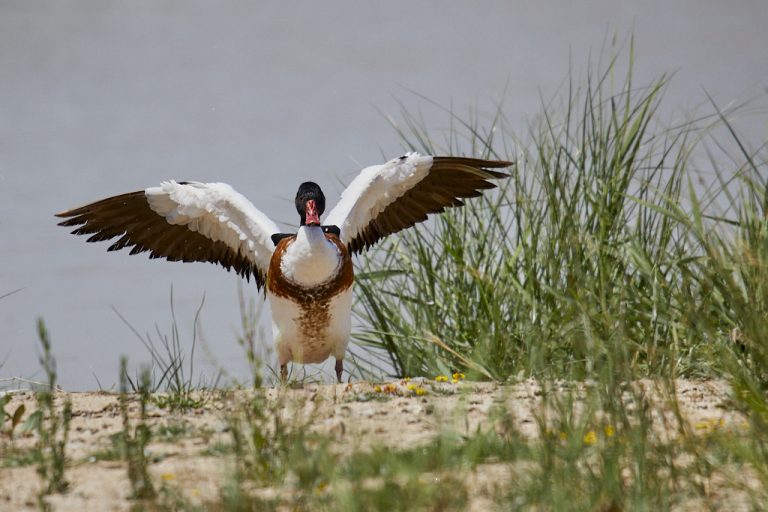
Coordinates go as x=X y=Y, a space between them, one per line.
x=571 y=268
x=615 y=251
x=172 y=369
x=250 y=336
x=732 y=276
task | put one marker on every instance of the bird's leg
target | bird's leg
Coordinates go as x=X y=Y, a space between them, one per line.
x=284 y=373
x=339 y=369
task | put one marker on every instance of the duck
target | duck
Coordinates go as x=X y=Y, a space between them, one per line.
x=306 y=275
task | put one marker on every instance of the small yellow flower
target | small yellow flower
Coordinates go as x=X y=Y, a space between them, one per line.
x=609 y=431
x=707 y=425
x=441 y=378
x=168 y=477
x=411 y=387
x=420 y=391
x=590 y=438
x=458 y=376
x=407 y=379
x=563 y=436
x=390 y=388
x=377 y=389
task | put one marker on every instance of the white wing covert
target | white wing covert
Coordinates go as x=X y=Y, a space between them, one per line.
x=384 y=199
x=184 y=221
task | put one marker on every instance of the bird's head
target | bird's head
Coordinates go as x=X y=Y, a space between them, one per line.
x=310 y=203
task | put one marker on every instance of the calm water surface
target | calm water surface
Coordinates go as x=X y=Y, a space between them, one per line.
x=103 y=97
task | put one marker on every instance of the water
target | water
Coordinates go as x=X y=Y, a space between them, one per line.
x=103 y=97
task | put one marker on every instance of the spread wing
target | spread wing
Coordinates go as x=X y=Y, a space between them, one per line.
x=384 y=199
x=182 y=222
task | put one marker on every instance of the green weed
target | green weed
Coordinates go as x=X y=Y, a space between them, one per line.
x=249 y=336
x=10 y=456
x=10 y=420
x=135 y=440
x=51 y=426
x=172 y=368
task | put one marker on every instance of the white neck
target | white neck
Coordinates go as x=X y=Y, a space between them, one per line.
x=311 y=259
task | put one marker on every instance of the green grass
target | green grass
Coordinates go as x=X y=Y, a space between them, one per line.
x=172 y=370
x=564 y=265
x=9 y=420
x=605 y=256
x=134 y=439
x=597 y=254
x=51 y=424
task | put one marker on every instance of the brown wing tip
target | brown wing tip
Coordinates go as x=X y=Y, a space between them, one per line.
x=477 y=163
x=497 y=174
x=496 y=164
x=71 y=217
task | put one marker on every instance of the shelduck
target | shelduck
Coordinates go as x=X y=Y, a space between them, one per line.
x=308 y=275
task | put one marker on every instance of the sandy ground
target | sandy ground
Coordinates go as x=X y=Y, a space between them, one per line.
x=357 y=416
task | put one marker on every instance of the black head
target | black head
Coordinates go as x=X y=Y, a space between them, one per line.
x=309 y=191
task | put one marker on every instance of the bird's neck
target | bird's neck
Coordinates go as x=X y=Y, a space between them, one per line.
x=311 y=259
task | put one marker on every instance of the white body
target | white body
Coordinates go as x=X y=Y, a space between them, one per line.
x=311 y=336
x=287 y=330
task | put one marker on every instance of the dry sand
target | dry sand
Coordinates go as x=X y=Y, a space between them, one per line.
x=355 y=415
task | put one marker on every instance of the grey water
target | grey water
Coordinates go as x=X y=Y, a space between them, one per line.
x=101 y=97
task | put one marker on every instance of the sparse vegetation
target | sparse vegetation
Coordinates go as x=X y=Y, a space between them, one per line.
x=249 y=336
x=51 y=425
x=134 y=441
x=9 y=420
x=171 y=383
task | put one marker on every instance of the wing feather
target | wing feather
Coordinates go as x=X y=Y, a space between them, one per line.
x=385 y=199
x=182 y=222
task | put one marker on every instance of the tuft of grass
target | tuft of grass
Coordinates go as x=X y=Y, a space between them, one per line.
x=51 y=426
x=249 y=336
x=731 y=277
x=576 y=264
x=10 y=456
x=9 y=420
x=173 y=368
x=134 y=441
